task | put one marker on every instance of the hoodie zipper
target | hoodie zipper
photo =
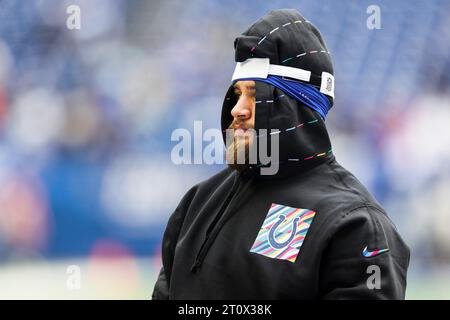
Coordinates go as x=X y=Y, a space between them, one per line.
x=228 y=207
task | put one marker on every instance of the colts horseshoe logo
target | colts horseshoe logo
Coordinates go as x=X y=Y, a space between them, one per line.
x=273 y=242
x=283 y=232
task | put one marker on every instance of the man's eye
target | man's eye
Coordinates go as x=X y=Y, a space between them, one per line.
x=237 y=93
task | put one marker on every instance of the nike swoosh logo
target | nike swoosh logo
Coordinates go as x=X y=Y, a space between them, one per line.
x=366 y=253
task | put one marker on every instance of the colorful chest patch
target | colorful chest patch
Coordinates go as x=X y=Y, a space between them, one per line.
x=283 y=232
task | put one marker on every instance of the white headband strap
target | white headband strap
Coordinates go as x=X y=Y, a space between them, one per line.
x=261 y=68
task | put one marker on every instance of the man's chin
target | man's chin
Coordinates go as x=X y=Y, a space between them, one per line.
x=233 y=161
x=238 y=167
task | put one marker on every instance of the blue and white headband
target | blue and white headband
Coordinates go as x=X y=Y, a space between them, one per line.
x=260 y=69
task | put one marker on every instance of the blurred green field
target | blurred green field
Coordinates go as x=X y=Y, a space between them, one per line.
x=102 y=279
x=110 y=278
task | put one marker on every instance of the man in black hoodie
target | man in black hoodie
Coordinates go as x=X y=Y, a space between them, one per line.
x=309 y=231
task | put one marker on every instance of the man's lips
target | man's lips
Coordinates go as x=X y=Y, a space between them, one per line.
x=240 y=131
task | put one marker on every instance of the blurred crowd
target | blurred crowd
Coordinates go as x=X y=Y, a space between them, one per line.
x=86 y=115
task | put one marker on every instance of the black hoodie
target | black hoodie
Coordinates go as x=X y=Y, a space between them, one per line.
x=311 y=231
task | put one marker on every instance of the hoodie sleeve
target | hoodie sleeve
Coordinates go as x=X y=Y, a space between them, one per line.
x=170 y=239
x=365 y=258
x=161 y=290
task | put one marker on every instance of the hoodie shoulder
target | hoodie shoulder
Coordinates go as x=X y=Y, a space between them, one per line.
x=345 y=191
x=215 y=179
x=200 y=192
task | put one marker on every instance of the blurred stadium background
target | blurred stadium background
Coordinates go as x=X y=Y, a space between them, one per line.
x=86 y=117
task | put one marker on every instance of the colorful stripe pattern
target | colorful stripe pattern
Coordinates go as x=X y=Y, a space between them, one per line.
x=283 y=232
x=366 y=253
x=300 y=159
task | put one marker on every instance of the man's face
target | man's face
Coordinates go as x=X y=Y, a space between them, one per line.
x=244 y=111
x=243 y=114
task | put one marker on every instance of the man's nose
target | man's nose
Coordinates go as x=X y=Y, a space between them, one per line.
x=241 y=110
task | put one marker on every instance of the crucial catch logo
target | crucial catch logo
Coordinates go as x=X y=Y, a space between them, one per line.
x=283 y=232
